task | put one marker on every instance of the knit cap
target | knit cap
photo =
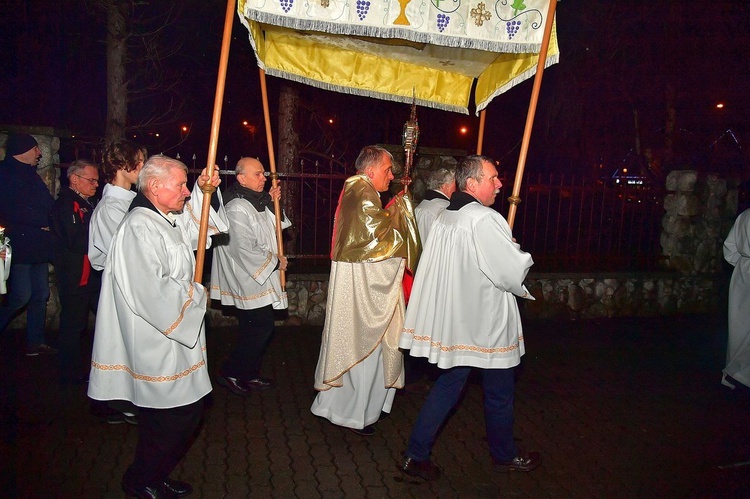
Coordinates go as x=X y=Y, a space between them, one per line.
x=19 y=143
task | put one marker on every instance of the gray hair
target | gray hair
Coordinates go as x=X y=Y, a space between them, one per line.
x=440 y=177
x=77 y=166
x=370 y=156
x=158 y=167
x=470 y=167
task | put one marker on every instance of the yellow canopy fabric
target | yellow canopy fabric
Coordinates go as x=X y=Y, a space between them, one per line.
x=429 y=50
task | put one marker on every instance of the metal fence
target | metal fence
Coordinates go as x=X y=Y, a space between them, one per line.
x=579 y=224
x=566 y=223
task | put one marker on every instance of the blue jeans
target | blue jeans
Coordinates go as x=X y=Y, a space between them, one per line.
x=499 y=386
x=28 y=284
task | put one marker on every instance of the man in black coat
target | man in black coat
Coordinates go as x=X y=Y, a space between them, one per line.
x=77 y=282
x=25 y=203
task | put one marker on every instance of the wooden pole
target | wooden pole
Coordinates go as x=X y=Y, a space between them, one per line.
x=514 y=199
x=209 y=189
x=272 y=167
x=480 y=139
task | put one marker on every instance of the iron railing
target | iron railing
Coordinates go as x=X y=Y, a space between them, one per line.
x=566 y=223
x=580 y=224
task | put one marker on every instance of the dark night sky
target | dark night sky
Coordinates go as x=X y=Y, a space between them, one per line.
x=614 y=58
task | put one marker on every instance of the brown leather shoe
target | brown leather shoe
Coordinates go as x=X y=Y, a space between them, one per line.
x=521 y=463
x=234 y=385
x=422 y=469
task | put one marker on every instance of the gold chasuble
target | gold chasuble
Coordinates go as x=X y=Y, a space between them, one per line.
x=372 y=249
x=365 y=232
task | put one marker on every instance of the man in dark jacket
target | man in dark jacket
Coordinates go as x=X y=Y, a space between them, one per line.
x=25 y=203
x=77 y=283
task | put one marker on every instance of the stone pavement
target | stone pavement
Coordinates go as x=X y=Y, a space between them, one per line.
x=618 y=408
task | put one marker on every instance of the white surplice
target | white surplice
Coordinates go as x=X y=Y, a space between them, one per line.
x=114 y=205
x=107 y=216
x=149 y=345
x=242 y=273
x=737 y=253
x=427 y=212
x=463 y=310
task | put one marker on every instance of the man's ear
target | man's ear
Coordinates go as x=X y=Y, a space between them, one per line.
x=153 y=186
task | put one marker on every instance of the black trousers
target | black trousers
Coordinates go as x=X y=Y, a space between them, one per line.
x=164 y=437
x=74 y=320
x=256 y=329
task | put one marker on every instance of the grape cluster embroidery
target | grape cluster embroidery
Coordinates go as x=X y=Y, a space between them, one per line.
x=512 y=28
x=442 y=21
x=286 y=5
x=363 y=6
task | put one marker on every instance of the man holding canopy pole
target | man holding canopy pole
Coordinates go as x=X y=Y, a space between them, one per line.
x=245 y=275
x=360 y=366
x=150 y=345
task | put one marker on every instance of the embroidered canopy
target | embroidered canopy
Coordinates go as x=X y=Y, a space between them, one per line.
x=436 y=51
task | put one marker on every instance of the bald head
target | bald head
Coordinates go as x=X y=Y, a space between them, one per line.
x=250 y=174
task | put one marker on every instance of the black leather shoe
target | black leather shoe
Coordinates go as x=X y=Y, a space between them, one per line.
x=147 y=492
x=233 y=385
x=177 y=487
x=422 y=469
x=258 y=383
x=521 y=463
x=367 y=431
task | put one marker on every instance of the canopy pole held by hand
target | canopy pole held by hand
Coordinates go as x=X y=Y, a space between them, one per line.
x=209 y=189
x=514 y=199
x=272 y=167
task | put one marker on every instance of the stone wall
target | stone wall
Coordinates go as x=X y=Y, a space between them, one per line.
x=699 y=211
x=563 y=296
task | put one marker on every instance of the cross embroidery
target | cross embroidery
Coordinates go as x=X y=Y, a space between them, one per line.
x=480 y=15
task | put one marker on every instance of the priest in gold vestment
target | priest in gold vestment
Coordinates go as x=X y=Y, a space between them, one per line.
x=360 y=365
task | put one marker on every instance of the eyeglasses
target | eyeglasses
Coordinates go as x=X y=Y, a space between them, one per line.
x=91 y=181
